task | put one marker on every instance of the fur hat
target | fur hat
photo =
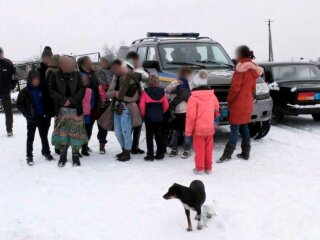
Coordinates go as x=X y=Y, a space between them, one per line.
x=153 y=80
x=200 y=79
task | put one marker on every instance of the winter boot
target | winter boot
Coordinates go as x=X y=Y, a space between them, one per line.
x=159 y=156
x=102 y=149
x=186 y=154
x=125 y=156
x=10 y=133
x=137 y=151
x=173 y=153
x=227 y=154
x=63 y=157
x=119 y=155
x=85 y=150
x=48 y=156
x=245 y=151
x=76 y=159
x=149 y=157
x=30 y=161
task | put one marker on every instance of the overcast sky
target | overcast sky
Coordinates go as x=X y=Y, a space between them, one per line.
x=79 y=26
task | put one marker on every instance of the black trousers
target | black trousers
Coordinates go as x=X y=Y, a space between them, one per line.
x=7 y=107
x=102 y=133
x=136 y=132
x=42 y=124
x=155 y=130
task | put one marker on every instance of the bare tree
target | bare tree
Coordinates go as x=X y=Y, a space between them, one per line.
x=111 y=51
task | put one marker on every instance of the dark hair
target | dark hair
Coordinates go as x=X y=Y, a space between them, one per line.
x=81 y=61
x=133 y=55
x=32 y=75
x=116 y=62
x=1 y=50
x=183 y=71
x=245 y=52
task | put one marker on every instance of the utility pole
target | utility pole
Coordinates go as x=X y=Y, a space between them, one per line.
x=270 y=41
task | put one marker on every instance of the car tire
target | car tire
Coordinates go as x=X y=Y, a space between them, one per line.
x=316 y=117
x=259 y=130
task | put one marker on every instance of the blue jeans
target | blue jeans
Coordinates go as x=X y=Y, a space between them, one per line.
x=234 y=135
x=123 y=128
x=175 y=139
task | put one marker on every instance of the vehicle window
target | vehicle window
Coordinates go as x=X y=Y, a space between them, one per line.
x=151 y=56
x=210 y=55
x=296 y=72
x=203 y=53
x=218 y=55
x=133 y=49
x=142 y=53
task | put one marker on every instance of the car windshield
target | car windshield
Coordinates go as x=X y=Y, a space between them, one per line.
x=296 y=72
x=206 y=55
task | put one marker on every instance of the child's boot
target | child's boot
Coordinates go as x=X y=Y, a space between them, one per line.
x=102 y=148
x=30 y=160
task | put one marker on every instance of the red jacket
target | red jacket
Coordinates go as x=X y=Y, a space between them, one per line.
x=153 y=95
x=203 y=108
x=240 y=98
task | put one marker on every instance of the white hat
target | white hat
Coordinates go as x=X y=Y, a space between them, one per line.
x=200 y=79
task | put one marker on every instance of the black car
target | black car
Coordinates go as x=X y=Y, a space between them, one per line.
x=294 y=88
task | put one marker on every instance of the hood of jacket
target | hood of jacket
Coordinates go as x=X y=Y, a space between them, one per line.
x=202 y=93
x=155 y=93
x=31 y=75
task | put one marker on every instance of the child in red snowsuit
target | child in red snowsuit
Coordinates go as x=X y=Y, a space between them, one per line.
x=203 y=108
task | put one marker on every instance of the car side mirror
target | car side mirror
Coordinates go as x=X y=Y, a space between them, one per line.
x=151 y=65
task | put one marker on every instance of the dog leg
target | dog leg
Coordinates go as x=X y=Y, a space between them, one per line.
x=198 y=217
x=189 y=229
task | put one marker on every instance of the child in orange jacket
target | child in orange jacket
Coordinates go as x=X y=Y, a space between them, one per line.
x=203 y=108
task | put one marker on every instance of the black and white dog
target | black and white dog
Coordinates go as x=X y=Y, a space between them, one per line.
x=192 y=198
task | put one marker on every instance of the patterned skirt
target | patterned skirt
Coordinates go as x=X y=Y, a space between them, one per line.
x=69 y=129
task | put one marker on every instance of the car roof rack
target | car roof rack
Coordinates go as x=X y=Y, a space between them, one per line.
x=157 y=36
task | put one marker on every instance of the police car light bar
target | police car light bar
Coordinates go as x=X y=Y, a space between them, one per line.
x=164 y=34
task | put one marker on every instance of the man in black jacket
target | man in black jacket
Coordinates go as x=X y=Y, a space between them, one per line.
x=8 y=81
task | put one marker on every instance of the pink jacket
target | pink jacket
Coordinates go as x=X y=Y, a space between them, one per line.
x=86 y=101
x=102 y=94
x=145 y=99
x=203 y=108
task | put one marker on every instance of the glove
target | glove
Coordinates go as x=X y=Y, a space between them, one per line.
x=217 y=120
x=224 y=112
x=86 y=119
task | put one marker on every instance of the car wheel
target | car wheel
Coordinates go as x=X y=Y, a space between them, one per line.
x=316 y=117
x=259 y=130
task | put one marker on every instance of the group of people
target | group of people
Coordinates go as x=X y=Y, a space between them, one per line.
x=120 y=96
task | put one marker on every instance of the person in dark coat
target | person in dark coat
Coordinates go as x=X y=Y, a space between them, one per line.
x=67 y=92
x=240 y=102
x=134 y=59
x=86 y=68
x=30 y=104
x=8 y=81
x=153 y=104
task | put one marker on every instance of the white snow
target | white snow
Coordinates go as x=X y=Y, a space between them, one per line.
x=275 y=195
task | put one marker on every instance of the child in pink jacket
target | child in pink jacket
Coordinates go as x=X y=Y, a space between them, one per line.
x=203 y=108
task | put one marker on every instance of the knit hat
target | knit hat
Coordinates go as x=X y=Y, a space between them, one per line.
x=200 y=79
x=153 y=80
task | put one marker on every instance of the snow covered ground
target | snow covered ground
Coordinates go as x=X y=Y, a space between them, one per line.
x=275 y=195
